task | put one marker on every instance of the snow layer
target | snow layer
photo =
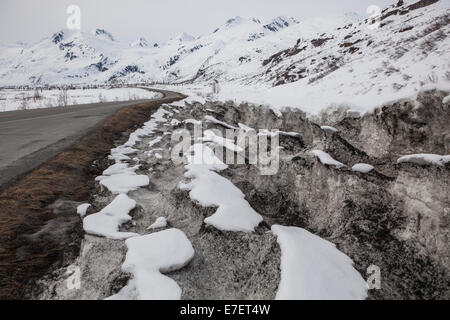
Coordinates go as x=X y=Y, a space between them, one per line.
x=362 y=167
x=82 y=209
x=425 y=159
x=147 y=258
x=160 y=222
x=210 y=189
x=312 y=268
x=106 y=222
x=123 y=182
x=326 y=159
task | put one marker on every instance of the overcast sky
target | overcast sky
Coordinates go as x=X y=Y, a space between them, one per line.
x=156 y=20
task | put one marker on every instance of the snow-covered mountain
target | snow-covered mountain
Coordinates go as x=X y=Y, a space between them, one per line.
x=343 y=54
x=141 y=42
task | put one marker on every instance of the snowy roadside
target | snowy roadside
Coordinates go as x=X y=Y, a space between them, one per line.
x=11 y=99
x=150 y=214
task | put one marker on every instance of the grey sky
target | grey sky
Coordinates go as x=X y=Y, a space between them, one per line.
x=31 y=20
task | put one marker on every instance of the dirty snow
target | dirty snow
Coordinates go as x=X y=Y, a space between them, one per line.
x=328 y=128
x=313 y=268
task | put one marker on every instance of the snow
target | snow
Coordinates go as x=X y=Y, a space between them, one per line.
x=25 y=99
x=119 y=168
x=425 y=159
x=150 y=256
x=214 y=120
x=210 y=136
x=326 y=159
x=328 y=128
x=82 y=209
x=446 y=99
x=106 y=222
x=160 y=222
x=209 y=189
x=362 y=167
x=123 y=182
x=314 y=269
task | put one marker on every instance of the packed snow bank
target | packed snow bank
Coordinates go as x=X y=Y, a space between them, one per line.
x=147 y=258
x=326 y=159
x=210 y=189
x=26 y=99
x=312 y=268
x=425 y=159
x=106 y=222
x=362 y=167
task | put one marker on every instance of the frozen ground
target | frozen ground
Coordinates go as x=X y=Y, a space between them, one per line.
x=34 y=99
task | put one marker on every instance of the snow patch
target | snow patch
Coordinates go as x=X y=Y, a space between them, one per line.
x=362 y=167
x=425 y=159
x=160 y=222
x=326 y=159
x=107 y=221
x=147 y=258
x=313 y=269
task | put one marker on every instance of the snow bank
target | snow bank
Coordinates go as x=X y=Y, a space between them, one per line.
x=312 y=268
x=326 y=159
x=210 y=189
x=425 y=159
x=147 y=258
x=362 y=167
x=106 y=222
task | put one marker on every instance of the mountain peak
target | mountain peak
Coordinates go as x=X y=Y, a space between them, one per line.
x=102 y=33
x=141 y=42
x=279 y=23
x=185 y=37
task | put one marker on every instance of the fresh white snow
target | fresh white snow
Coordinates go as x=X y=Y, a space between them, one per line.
x=123 y=182
x=106 y=222
x=313 y=268
x=150 y=256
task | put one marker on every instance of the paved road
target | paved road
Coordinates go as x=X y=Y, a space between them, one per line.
x=31 y=137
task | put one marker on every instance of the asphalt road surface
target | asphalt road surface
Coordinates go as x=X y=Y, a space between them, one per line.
x=31 y=137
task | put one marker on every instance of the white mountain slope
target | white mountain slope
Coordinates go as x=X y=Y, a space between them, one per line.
x=343 y=56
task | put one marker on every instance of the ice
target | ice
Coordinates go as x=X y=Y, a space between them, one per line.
x=314 y=269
